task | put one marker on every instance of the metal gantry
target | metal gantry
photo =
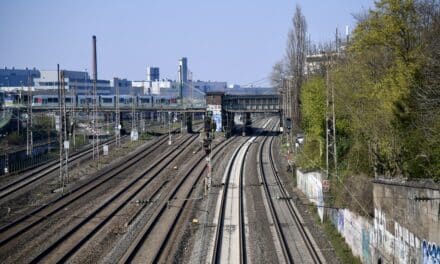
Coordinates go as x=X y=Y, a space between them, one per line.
x=95 y=141
x=29 y=137
x=117 y=119
x=62 y=128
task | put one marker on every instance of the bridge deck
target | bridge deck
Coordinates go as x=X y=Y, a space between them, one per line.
x=252 y=103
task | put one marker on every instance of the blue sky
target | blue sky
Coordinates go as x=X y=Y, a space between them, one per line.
x=226 y=40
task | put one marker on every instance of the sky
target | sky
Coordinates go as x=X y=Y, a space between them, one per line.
x=237 y=41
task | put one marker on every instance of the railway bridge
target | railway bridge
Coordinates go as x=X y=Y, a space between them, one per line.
x=226 y=107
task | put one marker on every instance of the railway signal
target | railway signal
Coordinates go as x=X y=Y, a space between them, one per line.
x=208 y=135
x=209 y=132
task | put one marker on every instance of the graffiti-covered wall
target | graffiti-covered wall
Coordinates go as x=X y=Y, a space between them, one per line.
x=356 y=230
x=406 y=221
x=405 y=227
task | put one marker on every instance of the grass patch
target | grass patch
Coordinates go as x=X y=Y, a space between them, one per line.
x=284 y=148
x=145 y=136
x=341 y=248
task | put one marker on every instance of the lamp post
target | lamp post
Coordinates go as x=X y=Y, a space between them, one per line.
x=21 y=92
x=6 y=168
x=169 y=128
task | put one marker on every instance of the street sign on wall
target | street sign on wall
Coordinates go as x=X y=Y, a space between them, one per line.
x=325 y=185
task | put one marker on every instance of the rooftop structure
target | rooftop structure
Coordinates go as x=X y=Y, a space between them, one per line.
x=153 y=74
x=183 y=70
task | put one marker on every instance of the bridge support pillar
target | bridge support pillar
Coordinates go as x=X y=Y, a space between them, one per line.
x=280 y=114
x=189 y=122
x=115 y=119
x=247 y=124
x=228 y=123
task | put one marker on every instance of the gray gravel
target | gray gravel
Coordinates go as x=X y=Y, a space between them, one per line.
x=260 y=240
x=301 y=201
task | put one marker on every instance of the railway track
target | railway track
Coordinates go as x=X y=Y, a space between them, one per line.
x=231 y=213
x=230 y=227
x=15 y=187
x=77 y=237
x=297 y=244
x=168 y=214
x=38 y=215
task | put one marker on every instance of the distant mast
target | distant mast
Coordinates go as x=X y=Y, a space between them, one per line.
x=95 y=63
x=95 y=104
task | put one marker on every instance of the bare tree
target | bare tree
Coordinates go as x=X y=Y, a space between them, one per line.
x=277 y=75
x=296 y=56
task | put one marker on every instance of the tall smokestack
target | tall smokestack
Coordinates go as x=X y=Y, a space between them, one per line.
x=95 y=61
x=95 y=104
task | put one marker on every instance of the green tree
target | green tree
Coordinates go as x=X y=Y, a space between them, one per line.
x=313 y=106
x=385 y=50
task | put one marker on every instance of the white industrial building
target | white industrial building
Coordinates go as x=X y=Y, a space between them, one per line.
x=78 y=81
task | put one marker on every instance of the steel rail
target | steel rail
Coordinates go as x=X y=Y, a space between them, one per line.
x=216 y=151
x=66 y=255
x=130 y=254
x=275 y=219
x=219 y=227
x=40 y=172
x=60 y=202
x=310 y=244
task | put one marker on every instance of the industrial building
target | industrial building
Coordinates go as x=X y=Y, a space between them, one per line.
x=17 y=77
x=78 y=82
x=125 y=87
x=153 y=74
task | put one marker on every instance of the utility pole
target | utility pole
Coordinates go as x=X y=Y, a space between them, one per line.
x=134 y=131
x=117 y=119
x=330 y=120
x=6 y=169
x=182 y=116
x=208 y=133
x=29 y=138
x=72 y=115
x=95 y=105
x=284 y=106
x=181 y=84
x=87 y=98
x=288 y=113
x=60 y=127
x=48 y=133
x=66 y=144
x=169 y=128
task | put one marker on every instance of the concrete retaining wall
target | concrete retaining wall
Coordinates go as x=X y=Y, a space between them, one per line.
x=356 y=230
x=310 y=183
x=405 y=228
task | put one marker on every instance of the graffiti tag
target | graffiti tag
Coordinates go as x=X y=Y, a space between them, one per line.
x=430 y=253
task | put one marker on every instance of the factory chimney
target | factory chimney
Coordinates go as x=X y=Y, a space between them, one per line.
x=95 y=61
